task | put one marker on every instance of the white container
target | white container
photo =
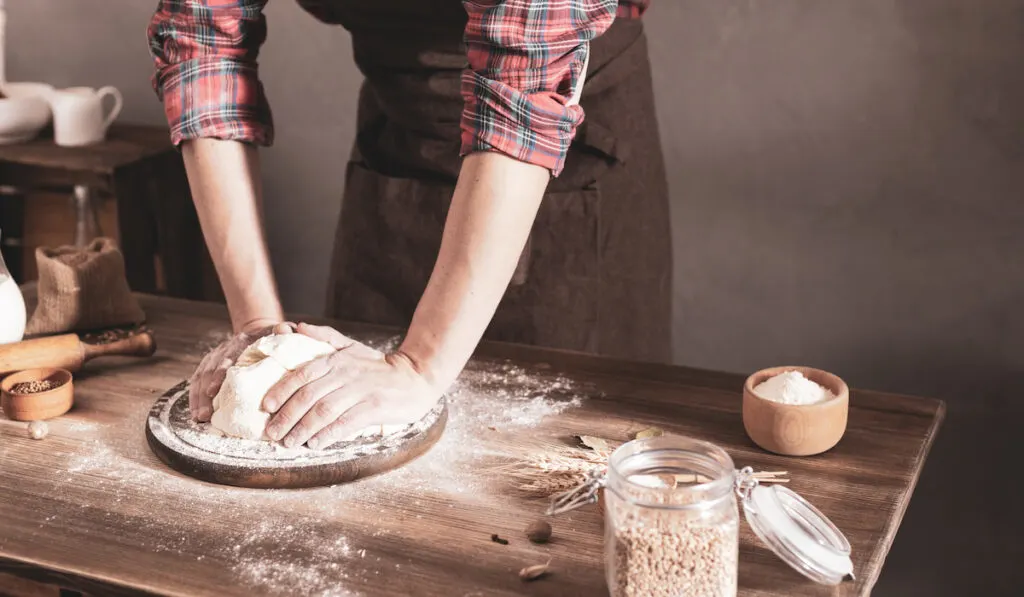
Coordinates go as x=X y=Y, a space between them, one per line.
x=79 y=117
x=12 y=307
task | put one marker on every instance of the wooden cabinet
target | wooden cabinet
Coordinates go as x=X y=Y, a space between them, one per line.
x=138 y=184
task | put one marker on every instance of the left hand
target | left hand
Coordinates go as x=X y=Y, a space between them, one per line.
x=337 y=395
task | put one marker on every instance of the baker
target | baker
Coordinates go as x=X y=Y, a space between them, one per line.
x=477 y=202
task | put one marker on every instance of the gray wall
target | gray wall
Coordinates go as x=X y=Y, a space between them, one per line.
x=847 y=192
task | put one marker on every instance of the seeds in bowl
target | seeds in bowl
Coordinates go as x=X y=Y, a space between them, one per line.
x=34 y=386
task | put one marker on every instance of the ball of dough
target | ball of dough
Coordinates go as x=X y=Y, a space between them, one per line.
x=238 y=406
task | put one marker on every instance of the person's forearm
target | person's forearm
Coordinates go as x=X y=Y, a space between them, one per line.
x=225 y=181
x=493 y=208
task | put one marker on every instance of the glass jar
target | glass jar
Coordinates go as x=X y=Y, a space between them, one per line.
x=671 y=520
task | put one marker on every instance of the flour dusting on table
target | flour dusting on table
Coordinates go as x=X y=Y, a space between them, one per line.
x=272 y=548
x=259 y=563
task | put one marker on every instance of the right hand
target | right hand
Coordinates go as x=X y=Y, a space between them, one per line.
x=209 y=375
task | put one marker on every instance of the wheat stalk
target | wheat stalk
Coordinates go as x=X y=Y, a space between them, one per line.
x=550 y=469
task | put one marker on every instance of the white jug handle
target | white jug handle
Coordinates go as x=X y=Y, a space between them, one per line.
x=118 y=103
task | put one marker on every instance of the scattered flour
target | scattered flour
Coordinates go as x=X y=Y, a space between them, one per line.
x=791 y=387
x=320 y=572
x=295 y=541
x=211 y=340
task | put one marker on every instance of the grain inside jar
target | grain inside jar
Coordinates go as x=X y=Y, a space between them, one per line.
x=666 y=537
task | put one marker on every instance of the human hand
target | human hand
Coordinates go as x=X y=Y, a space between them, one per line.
x=209 y=375
x=337 y=395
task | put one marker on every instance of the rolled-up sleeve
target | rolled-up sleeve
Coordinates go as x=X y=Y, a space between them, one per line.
x=206 y=72
x=527 y=63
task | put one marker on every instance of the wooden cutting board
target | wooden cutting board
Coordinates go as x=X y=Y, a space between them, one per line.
x=191 y=448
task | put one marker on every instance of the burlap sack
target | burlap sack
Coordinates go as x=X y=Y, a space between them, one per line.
x=82 y=289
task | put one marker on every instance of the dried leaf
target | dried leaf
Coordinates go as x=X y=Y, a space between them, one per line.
x=594 y=443
x=651 y=432
x=534 y=572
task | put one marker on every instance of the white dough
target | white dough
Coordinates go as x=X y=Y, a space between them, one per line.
x=238 y=406
x=292 y=350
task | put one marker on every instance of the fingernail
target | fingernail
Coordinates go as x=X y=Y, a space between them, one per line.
x=270 y=406
x=289 y=442
x=205 y=413
x=313 y=444
x=274 y=432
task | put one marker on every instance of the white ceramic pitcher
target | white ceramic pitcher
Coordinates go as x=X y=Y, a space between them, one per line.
x=78 y=114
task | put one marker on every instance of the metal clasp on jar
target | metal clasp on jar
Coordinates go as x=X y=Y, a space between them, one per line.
x=745 y=482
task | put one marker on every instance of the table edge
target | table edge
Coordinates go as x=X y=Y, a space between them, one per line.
x=877 y=560
x=65 y=578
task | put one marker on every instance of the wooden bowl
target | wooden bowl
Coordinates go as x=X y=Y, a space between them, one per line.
x=39 y=405
x=796 y=429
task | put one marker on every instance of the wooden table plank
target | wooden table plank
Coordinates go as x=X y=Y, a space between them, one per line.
x=92 y=508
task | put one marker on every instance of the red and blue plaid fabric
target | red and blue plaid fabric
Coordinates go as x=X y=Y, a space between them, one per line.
x=526 y=58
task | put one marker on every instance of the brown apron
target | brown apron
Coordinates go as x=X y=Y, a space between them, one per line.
x=595 y=275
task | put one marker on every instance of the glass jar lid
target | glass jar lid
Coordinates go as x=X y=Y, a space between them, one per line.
x=798 y=533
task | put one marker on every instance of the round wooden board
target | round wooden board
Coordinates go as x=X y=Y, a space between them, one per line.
x=186 y=447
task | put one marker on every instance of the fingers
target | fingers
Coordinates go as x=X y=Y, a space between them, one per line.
x=281 y=392
x=204 y=385
x=212 y=370
x=195 y=389
x=212 y=381
x=323 y=414
x=345 y=425
x=296 y=394
x=326 y=334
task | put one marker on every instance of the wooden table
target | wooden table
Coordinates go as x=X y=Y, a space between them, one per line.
x=139 y=168
x=91 y=508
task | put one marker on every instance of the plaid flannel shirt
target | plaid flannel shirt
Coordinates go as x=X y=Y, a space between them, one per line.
x=527 y=61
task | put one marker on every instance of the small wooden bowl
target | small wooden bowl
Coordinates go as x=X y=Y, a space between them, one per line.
x=39 y=405
x=796 y=429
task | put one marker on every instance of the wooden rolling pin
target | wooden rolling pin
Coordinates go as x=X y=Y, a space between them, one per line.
x=67 y=351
